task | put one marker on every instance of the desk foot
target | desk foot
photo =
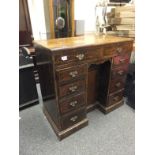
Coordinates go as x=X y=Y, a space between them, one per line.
x=65 y=133
x=110 y=108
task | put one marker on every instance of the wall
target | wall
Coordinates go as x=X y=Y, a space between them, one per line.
x=47 y=18
x=85 y=10
x=37 y=15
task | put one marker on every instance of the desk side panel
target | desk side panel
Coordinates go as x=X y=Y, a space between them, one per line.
x=46 y=78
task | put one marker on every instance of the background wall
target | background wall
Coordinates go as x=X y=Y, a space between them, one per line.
x=47 y=19
x=85 y=10
x=39 y=14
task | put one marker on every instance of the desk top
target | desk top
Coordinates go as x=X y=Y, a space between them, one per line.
x=80 y=41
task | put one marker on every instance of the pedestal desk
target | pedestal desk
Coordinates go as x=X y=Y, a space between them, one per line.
x=84 y=73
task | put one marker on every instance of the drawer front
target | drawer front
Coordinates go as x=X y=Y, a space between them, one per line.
x=72 y=88
x=71 y=73
x=93 y=53
x=65 y=57
x=117 y=84
x=118 y=49
x=119 y=72
x=78 y=55
x=71 y=119
x=113 y=99
x=124 y=48
x=121 y=60
x=110 y=50
x=72 y=103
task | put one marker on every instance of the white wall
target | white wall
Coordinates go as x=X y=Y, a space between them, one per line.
x=36 y=9
x=85 y=10
x=39 y=14
x=47 y=18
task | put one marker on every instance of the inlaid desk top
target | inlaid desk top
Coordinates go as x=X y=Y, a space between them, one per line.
x=80 y=41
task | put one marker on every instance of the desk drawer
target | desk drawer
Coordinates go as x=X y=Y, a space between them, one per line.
x=78 y=55
x=72 y=103
x=119 y=72
x=124 y=48
x=117 y=84
x=72 y=88
x=64 y=57
x=71 y=73
x=118 y=49
x=75 y=117
x=110 y=50
x=113 y=99
x=121 y=60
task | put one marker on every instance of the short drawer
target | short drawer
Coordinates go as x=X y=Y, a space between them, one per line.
x=121 y=60
x=110 y=50
x=71 y=73
x=78 y=55
x=72 y=103
x=124 y=48
x=117 y=84
x=73 y=118
x=119 y=72
x=72 y=88
x=118 y=49
x=113 y=99
x=64 y=57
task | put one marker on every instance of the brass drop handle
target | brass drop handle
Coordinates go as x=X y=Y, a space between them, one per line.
x=74 y=118
x=122 y=60
x=119 y=50
x=116 y=98
x=73 y=74
x=120 y=72
x=73 y=88
x=118 y=84
x=73 y=103
x=80 y=56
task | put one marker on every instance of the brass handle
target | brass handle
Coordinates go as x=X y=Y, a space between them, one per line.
x=74 y=118
x=73 y=103
x=116 y=98
x=73 y=74
x=119 y=50
x=80 y=56
x=118 y=84
x=73 y=88
x=122 y=60
x=120 y=72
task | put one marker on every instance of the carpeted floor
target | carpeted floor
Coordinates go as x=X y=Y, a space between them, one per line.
x=111 y=134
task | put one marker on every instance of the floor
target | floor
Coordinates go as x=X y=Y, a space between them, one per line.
x=111 y=134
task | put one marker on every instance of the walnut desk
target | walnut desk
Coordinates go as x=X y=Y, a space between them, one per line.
x=84 y=72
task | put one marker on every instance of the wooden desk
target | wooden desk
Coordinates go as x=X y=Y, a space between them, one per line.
x=85 y=73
